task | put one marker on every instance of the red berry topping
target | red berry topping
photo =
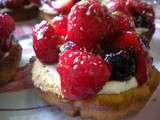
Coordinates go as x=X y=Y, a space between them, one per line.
x=82 y=74
x=14 y=3
x=60 y=24
x=7 y=26
x=118 y=5
x=87 y=23
x=46 y=43
x=131 y=39
x=125 y=23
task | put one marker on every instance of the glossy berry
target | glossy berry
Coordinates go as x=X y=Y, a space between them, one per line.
x=123 y=64
x=125 y=23
x=82 y=74
x=46 y=43
x=59 y=23
x=7 y=27
x=11 y=4
x=131 y=39
x=84 y=23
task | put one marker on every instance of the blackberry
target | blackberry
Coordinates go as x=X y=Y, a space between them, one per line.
x=123 y=64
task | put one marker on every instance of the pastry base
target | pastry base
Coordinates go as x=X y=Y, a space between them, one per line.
x=10 y=63
x=104 y=107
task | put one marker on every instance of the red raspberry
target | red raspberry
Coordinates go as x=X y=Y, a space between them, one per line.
x=131 y=39
x=60 y=24
x=125 y=23
x=14 y=3
x=46 y=43
x=87 y=23
x=82 y=74
x=7 y=26
x=118 y=5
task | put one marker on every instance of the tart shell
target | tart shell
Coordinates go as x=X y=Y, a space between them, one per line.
x=10 y=63
x=104 y=107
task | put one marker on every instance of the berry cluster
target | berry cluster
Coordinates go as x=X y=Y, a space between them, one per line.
x=98 y=44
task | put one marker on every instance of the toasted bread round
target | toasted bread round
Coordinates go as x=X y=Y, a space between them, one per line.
x=9 y=63
x=101 y=107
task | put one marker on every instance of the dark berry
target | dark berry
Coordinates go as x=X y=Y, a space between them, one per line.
x=132 y=39
x=123 y=64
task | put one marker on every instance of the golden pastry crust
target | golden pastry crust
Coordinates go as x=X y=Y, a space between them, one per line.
x=10 y=63
x=105 y=107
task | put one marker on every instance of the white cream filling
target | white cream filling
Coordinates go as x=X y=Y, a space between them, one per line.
x=46 y=78
x=141 y=30
x=117 y=87
x=49 y=79
x=47 y=9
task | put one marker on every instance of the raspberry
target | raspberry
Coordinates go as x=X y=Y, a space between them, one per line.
x=46 y=43
x=7 y=26
x=118 y=5
x=132 y=40
x=82 y=74
x=60 y=24
x=84 y=23
x=125 y=23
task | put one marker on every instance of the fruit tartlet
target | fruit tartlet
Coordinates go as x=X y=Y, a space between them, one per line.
x=20 y=10
x=50 y=8
x=10 y=50
x=92 y=63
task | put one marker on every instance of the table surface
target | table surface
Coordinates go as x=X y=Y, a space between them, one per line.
x=19 y=101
